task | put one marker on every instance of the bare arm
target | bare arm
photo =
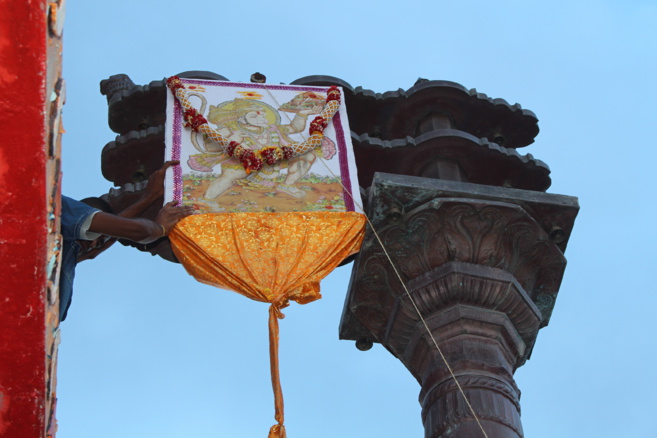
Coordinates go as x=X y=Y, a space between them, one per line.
x=140 y=230
x=125 y=226
x=154 y=191
x=298 y=123
x=227 y=134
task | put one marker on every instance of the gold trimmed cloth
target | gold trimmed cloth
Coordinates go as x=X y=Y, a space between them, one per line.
x=270 y=257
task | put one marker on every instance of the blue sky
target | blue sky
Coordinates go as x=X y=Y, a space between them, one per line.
x=148 y=351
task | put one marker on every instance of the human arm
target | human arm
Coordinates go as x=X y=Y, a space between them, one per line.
x=154 y=191
x=140 y=230
x=227 y=134
x=298 y=123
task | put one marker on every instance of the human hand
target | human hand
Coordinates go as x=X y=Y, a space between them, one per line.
x=314 y=110
x=170 y=214
x=155 y=186
x=90 y=249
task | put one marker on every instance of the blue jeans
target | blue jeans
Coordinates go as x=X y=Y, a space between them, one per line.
x=74 y=213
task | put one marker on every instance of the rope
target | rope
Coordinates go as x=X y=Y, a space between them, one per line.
x=401 y=281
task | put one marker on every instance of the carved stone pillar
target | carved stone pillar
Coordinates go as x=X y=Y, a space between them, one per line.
x=469 y=317
x=483 y=266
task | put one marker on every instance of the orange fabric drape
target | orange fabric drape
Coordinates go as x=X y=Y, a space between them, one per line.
x=269 y=257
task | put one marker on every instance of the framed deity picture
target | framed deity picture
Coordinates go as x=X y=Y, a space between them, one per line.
x=258 y=117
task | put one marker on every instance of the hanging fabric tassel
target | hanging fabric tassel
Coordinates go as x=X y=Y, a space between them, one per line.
x=277 y=430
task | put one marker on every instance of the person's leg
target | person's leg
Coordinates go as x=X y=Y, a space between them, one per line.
x=225 y=181
x=296 y=170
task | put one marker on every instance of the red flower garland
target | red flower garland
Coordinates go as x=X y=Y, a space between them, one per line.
x=333 y=94
x=193 y=119
x=230 y=150
x=174 y=83
x=271 y=155
x=317 y=126
x=288 y=152
x=252 y=160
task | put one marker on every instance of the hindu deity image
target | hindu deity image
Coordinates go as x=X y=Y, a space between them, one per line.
x=255 y=124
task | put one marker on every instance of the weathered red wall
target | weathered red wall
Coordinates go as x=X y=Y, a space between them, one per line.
x=30 y=67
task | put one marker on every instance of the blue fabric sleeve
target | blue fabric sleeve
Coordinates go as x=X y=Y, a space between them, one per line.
x=74 y=213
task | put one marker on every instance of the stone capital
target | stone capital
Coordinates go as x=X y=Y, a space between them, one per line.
x=427 y=225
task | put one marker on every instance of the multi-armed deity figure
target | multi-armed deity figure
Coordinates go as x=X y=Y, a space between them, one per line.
x=255 y=124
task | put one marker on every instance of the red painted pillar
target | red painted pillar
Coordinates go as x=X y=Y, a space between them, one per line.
x=31 y=94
